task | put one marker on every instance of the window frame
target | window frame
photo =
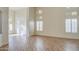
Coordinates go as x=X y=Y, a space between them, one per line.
x=71 y=25
x=40 y=26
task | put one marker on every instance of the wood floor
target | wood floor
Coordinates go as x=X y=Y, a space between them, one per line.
x=42 y=43
x=4 y=48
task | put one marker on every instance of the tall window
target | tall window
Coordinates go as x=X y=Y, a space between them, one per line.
x=71 y=20
x=71 y=25
x=39 y=25
x=39 y=22
x=10 y=25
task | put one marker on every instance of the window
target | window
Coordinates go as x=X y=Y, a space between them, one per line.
x=74 y=25
x=71 y=20
x=71 y=25
x=74 y=13
x=68 y=25
x=40 y=11
x=39 y=25
x=10 y=27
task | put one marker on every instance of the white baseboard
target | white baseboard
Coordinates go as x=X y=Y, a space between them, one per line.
x=60 y=36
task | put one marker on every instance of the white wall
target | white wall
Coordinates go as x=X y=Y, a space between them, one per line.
x=54 y=23
x=4 y=11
